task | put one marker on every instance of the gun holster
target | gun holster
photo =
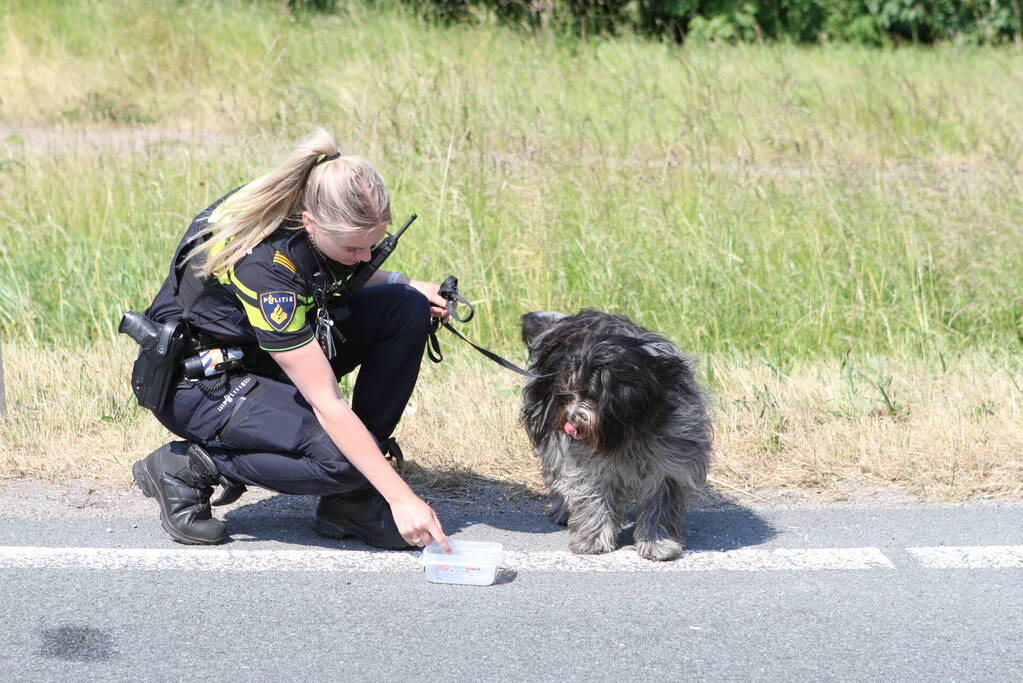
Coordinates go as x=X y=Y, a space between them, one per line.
x=158 y=366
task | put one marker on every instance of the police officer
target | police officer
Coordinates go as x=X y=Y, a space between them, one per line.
x=255 y=271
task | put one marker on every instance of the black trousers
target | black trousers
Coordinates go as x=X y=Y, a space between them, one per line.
x=261 y=431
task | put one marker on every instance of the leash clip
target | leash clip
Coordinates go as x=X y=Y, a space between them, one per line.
x=449 y=290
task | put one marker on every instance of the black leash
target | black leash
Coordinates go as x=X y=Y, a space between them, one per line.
x=449 y=290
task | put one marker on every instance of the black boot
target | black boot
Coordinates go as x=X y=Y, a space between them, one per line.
x=363 y=514
x=181 y=477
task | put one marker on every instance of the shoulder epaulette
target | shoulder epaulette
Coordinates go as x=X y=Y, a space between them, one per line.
x=282 y=260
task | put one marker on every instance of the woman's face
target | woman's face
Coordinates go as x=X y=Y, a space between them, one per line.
x=345 y=249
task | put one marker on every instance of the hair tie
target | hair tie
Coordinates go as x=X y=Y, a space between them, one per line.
x=329 y=157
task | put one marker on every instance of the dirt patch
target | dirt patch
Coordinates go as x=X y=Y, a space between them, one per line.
x=59 y=140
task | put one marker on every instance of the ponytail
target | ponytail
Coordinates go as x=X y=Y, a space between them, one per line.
x=342 y=193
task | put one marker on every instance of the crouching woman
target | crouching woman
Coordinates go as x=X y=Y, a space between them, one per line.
x=255 y=271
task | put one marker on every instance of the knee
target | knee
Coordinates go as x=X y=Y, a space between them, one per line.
x=415 y=300
x=393 y=310
x=410 y=304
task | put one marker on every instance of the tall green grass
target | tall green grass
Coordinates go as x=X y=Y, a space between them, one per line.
x=792 y=202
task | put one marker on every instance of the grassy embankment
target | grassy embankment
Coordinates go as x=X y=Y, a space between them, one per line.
x=836 y=232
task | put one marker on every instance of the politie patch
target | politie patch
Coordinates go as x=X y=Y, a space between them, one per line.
x=278 y=308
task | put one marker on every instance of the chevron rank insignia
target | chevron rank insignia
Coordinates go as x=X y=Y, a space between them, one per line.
x=285 y=262
x=278 y=308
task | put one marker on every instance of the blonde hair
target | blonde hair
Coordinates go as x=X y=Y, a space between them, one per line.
x=343 y=195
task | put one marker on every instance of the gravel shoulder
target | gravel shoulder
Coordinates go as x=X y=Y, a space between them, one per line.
x=39 y=499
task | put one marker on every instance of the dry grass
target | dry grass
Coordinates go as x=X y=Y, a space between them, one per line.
x=809 y=202
x=943 y=433
x=951 y=433
x=70 y=414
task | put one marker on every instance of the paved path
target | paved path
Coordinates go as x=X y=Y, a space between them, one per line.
x=773 y=593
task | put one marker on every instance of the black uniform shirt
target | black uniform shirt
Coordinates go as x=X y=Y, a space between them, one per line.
x=265 y=301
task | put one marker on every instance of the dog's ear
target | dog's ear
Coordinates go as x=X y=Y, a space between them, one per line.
x=536 y=322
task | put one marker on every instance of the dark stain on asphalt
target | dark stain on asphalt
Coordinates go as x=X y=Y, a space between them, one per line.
x=77 y=644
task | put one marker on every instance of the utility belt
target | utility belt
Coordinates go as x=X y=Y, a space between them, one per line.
x=167 y=353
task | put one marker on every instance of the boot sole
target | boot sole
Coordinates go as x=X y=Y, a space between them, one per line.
x=146 y=481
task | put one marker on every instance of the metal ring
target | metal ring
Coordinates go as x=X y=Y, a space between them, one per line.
x=416 y=539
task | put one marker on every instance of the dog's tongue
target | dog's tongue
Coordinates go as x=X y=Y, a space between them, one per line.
x=571 y=431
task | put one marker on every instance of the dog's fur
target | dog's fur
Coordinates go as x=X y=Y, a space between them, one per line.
x=616 y=416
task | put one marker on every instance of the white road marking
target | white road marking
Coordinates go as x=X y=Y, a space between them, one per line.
x=623 y=560
x=206 y=559
x=969 y=557
x=742 y=560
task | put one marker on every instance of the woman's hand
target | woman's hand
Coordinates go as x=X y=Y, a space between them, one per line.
x=432 y=293
x=417 y=522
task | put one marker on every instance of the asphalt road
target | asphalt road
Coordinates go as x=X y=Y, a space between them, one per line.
x=903 y=592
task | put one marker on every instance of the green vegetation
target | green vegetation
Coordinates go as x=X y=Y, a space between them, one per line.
x=836 y=230
x=872 y=22
x=784 y=201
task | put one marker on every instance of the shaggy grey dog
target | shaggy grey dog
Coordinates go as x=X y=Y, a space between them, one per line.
x=616 y=416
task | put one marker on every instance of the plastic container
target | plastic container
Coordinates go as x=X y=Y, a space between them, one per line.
x=473 y=563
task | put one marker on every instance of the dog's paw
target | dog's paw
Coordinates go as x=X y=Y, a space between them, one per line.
x=590 y=546
x=660 y=551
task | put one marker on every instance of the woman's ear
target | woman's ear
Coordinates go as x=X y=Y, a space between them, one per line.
x=308 y=223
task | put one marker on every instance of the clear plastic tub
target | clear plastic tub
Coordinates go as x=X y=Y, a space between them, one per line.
x=471 y=562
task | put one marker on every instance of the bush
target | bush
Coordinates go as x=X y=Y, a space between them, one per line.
x=859 y=21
